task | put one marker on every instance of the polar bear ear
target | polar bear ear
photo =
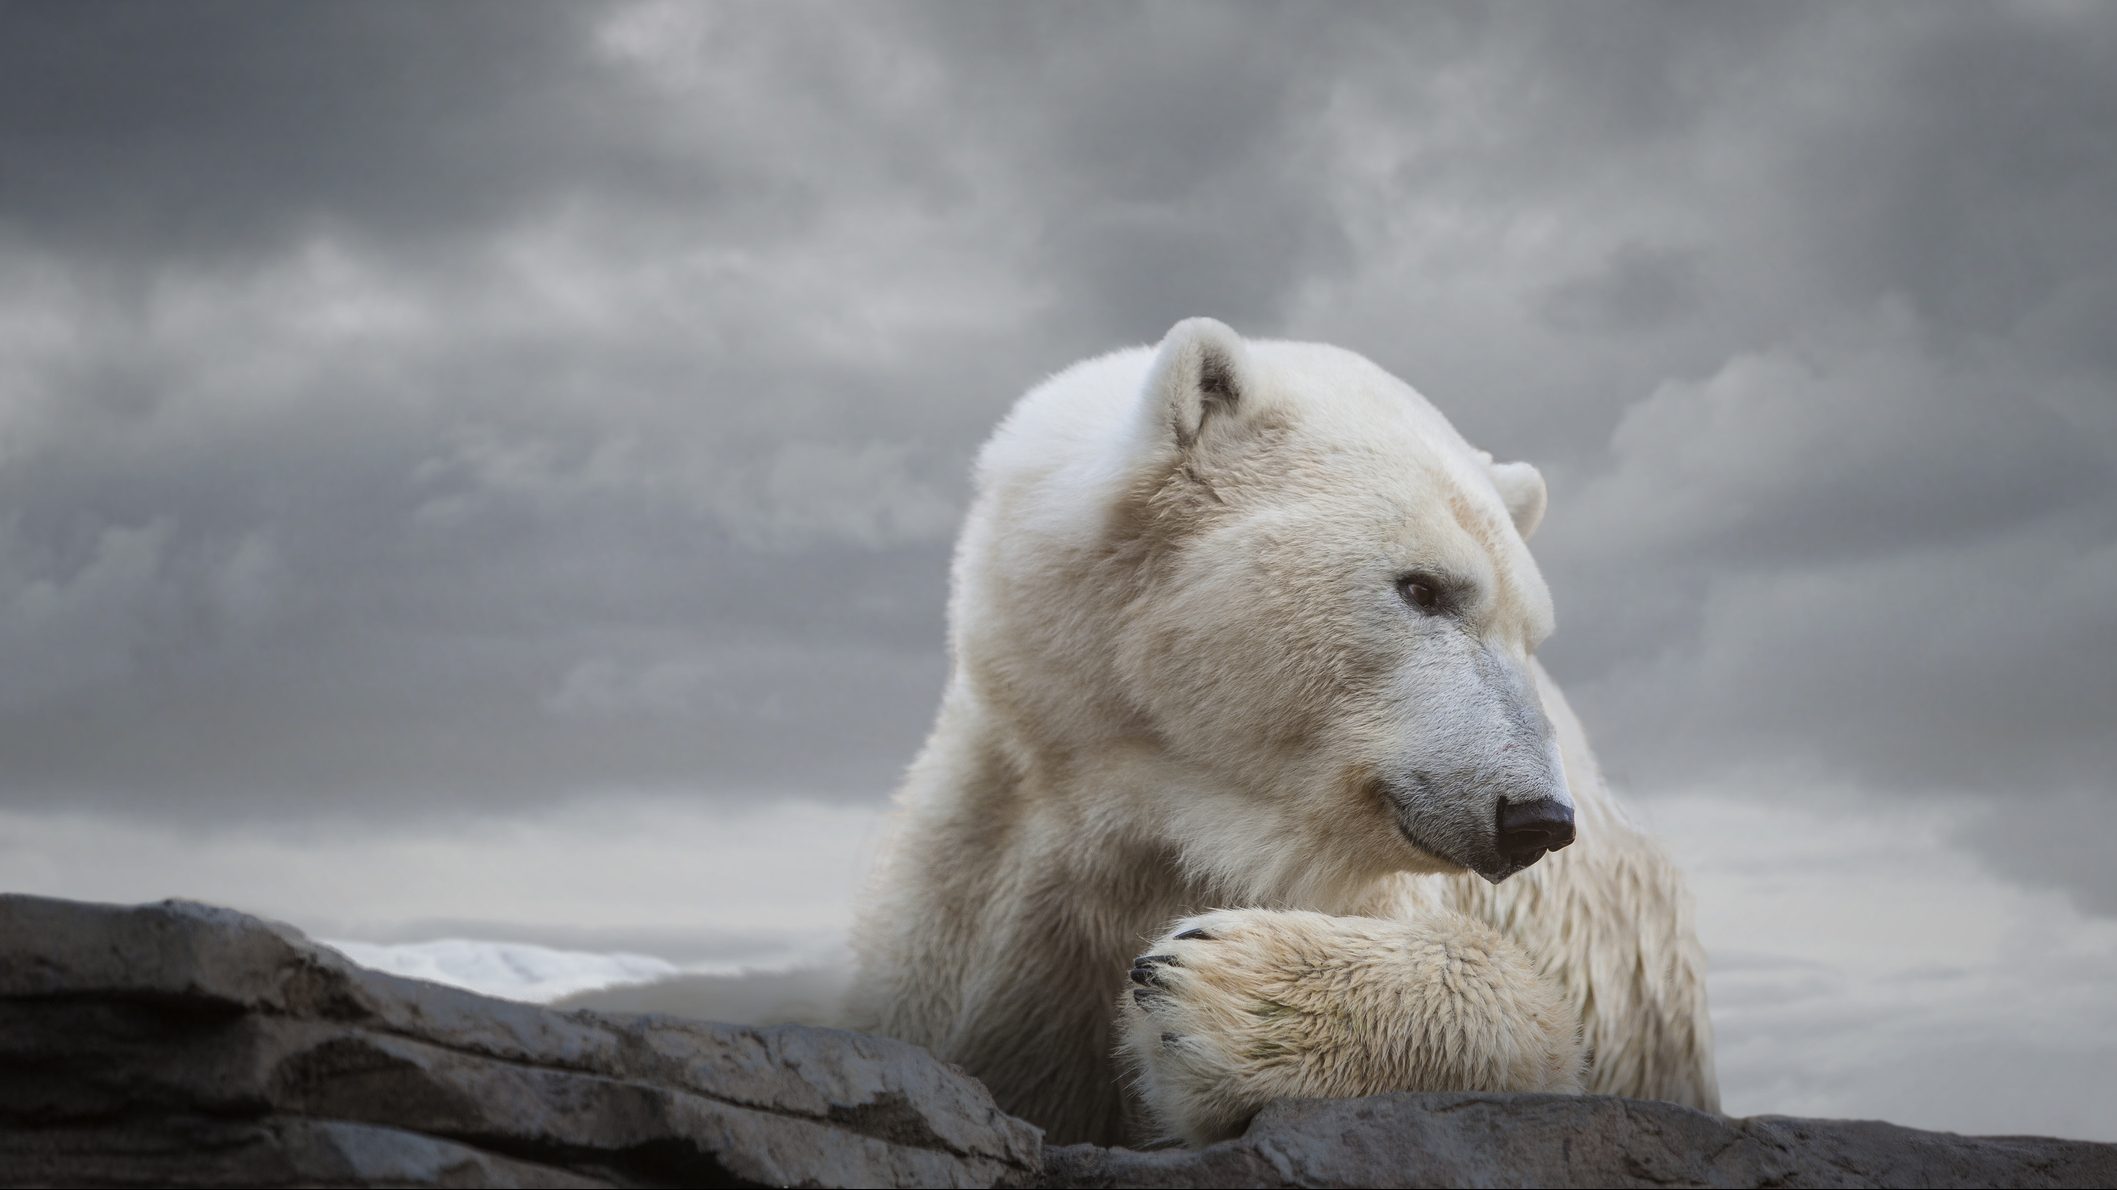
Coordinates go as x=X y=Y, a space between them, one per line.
x=1522 y=491
x=1201 y=370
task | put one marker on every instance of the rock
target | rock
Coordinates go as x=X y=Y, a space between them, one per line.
x=179 y=1044
x=183 y=1044
x=1560 y=1140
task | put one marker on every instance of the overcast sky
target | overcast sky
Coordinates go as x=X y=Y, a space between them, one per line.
x=490 y=468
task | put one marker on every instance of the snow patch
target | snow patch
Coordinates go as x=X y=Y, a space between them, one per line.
x=509 y=970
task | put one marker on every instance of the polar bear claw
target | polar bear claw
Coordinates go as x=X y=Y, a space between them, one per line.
x=1243 y=1007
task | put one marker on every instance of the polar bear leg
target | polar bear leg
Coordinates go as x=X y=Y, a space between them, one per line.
x=1233 y=1009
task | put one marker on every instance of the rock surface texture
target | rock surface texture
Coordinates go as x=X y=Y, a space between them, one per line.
x=180 y=1044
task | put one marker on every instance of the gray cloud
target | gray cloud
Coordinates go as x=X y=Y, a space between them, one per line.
x=1638 y=287
x=208 y=133
x=413 y=411
x=2050 y=842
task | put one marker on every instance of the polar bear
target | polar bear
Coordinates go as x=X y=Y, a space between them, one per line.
x=1246 y=783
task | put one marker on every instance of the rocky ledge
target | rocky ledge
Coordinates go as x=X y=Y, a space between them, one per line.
x=180 y=1044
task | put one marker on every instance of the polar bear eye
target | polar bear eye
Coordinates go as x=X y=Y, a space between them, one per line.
x=1424 y=593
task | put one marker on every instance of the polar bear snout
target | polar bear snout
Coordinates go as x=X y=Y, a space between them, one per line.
x=1527 y=829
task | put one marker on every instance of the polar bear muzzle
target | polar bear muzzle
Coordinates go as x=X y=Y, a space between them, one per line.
x=1520 y=830
x=1479 y=783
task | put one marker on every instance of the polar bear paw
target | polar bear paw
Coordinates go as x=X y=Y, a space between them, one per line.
x=1236 y=1008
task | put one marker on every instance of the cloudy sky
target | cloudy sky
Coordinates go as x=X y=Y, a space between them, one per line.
x=488 y=471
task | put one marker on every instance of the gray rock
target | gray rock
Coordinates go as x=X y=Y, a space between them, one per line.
x=179 y=1044
x=183 y=1044
x=1559 y=1140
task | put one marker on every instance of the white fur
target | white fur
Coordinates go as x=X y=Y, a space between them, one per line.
x=1237 y=1008
x=1184 y=677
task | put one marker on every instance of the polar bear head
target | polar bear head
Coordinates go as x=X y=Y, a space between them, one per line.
x=1281 y=610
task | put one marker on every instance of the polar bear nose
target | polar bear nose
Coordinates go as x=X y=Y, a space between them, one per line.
x=1528 y=829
